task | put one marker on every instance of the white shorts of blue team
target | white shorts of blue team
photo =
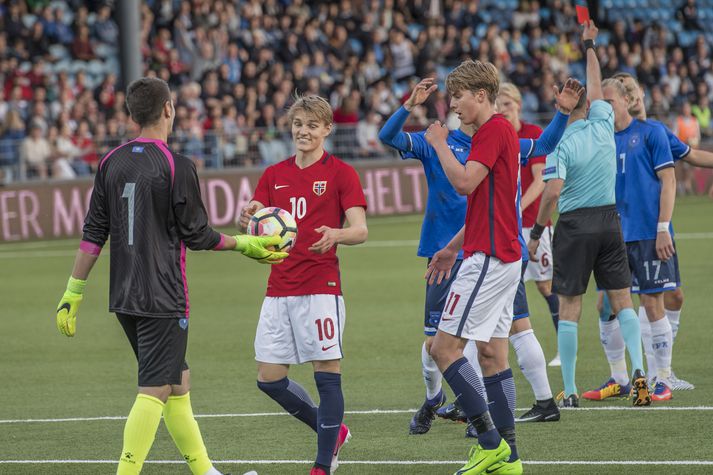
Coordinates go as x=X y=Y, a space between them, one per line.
x=295 y=330
x=480 y=300
x=542 y=269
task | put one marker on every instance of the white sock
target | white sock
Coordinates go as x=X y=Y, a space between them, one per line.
x=532 y=362
x=431 y=374
x=471 y=354
x=674 y=317
x=648 y=344
x=213 y=471
x=615 y=349
x=662 y=339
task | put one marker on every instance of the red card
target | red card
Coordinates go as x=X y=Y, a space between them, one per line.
x=582 y=14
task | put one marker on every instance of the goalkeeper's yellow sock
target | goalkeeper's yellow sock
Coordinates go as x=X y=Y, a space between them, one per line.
x=178 y=416
x=139 y=433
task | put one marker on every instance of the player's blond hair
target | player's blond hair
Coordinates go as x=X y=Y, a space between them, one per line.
x=312 y=105
x=473 y=76
x=510 y=90
x=630 y=90
x=618 y=87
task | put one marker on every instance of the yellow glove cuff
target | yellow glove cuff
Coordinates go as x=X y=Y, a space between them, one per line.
x=76 y=285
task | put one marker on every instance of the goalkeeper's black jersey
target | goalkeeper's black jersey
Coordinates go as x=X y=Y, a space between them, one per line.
x=148 y=200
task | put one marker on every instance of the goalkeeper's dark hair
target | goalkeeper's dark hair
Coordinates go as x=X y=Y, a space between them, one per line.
x=145 y=99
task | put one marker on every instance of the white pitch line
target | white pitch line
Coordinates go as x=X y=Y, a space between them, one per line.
x=369 y=462
x=366 y=412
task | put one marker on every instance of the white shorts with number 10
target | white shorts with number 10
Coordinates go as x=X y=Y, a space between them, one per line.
x=298 y=329
x=480 y=300
x=541 y=270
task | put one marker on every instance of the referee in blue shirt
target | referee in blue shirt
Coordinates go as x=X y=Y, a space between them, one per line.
x=581 y=175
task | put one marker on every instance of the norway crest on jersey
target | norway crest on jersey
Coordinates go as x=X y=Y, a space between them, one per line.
x=319 y=187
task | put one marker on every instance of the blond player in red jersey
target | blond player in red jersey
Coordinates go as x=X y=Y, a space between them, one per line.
x=302 y=317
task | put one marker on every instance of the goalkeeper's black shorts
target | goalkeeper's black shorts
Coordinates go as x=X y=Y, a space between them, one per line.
x=160 y=347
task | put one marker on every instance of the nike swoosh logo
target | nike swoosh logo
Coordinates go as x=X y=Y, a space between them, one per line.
x=332 y=346
x=65 y=306
x=330 y=427
x=277 y=187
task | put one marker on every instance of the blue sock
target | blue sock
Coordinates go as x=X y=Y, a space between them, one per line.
x=631 y=331
x=606 y=312
x=501 y=397
x=469 y=391
x=567 y=344
x=293 y=398
x=329 y=414
x=554 y=303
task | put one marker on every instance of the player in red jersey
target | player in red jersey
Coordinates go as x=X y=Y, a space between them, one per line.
x=480 y=302
x=302 y=317
x=540 y=270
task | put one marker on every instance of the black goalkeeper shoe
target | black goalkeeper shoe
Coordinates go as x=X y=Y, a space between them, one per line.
x=422 y=420
x=542 y=411
x=452 y=412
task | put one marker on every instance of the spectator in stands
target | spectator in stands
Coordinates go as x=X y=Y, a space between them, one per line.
x=82 y=48
x=35 y=153
x=368 y=136
x=105 y=29
x=702 y=112
x=687 y=129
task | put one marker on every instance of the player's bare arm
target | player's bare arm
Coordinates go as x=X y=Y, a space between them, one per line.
x=594 y=73
x=700 y=158
x=355 y=233
x=550 y=196
x=245 y=214
x=464 y=179
x=664 y=243
x=567 y=99
x=442 y=262
x=536 y=187
x=420 y=93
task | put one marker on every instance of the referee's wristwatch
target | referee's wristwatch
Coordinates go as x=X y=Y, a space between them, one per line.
x=588 y=44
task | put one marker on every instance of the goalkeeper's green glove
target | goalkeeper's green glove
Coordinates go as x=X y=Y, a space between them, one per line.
x=69 y=305
x=256 y=247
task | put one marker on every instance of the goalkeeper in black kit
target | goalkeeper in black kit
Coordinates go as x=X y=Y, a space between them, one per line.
x=147 y=199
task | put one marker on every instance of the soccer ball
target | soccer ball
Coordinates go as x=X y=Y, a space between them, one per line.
x=270 y=221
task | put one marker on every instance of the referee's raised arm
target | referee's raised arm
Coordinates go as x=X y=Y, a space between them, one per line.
x=594 y=72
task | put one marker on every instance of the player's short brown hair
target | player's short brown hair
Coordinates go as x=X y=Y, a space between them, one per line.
x=145 y=99
x=312 y=105
x=617 y=85
x=510 y=90
x=473 y=76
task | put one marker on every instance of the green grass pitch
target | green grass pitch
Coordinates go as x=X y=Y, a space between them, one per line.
x=48 y=376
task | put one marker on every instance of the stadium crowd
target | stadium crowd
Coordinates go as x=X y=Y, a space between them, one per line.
x=234 y=66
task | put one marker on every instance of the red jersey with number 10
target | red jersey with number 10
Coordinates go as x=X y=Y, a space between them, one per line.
x=316 y=196
x=491 y=218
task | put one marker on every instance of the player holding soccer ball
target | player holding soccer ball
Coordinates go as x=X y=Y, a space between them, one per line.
x=302 y=317
x=147 y=198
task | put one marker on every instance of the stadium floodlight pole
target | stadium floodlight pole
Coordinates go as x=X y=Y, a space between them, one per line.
x=129 y=19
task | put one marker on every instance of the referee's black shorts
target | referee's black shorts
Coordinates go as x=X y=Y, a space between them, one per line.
x=160 y=347
x=586 y=240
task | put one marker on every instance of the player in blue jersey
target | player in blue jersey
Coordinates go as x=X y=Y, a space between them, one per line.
x=645 y=195
x=673 y=300
x=445 y=215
